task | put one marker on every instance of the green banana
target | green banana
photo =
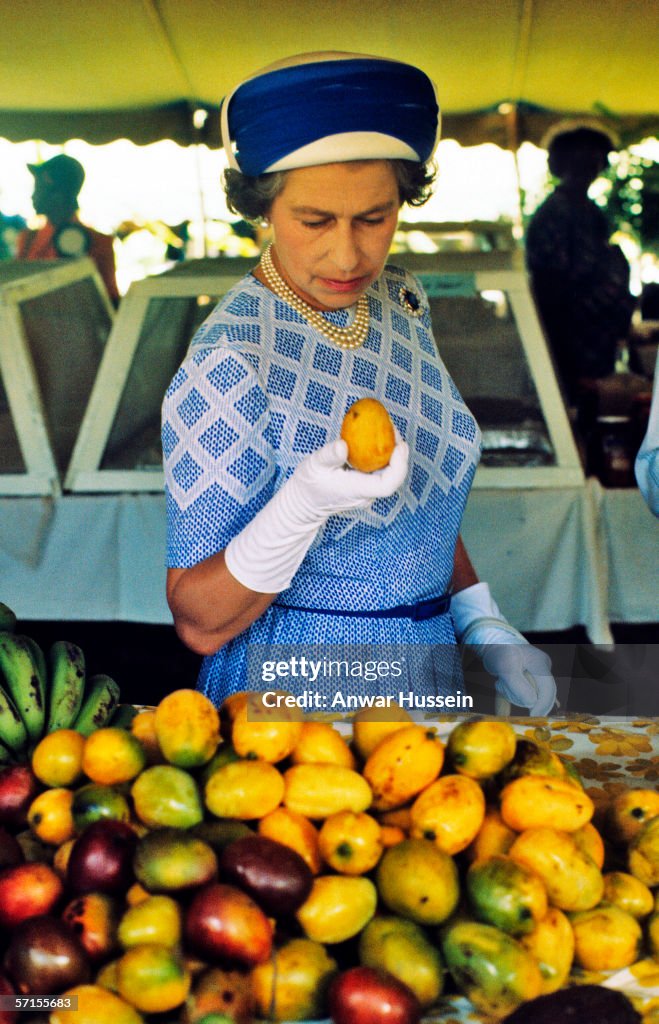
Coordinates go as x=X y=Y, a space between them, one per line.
x=39 y=659
x=23 y=682
x=7 y=618
x=13 y=733
x=101 y=698
x=67 y=684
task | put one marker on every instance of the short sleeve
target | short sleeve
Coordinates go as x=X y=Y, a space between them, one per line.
x=220 y=467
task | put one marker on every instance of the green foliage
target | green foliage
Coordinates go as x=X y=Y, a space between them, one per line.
x=632 y=201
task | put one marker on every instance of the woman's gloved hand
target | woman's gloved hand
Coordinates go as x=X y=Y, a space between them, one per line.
x=266 y=555
x=523 y=672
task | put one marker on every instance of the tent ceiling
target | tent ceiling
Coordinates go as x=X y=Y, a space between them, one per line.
x=136 y=68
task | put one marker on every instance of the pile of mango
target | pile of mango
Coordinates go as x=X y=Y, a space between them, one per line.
x=199 y=866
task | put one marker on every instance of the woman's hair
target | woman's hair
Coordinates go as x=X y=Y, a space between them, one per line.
x=252 y=198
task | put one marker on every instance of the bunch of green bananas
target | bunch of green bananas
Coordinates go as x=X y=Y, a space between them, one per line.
x=39 y=693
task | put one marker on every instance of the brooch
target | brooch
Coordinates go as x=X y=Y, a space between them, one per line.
x=410 y=301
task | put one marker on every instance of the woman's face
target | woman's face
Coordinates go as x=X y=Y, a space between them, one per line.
x=333 y=227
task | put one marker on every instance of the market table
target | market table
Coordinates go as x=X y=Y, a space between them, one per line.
x=554 y=557
x=610 y=755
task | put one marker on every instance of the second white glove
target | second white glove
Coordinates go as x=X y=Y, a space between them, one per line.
x=522 y=672
x=267 y=553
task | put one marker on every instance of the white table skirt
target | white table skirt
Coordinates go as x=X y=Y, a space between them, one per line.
x=554 y=558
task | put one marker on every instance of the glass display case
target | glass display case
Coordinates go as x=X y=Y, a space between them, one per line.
x=486 y=328
x=118 y=447
x=489 y=336
x=55 y=318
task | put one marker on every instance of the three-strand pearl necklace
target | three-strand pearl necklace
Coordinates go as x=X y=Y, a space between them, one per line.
x=345 y=337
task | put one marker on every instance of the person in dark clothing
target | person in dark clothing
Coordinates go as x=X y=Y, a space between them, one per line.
x=57 y=183
x=580 y=280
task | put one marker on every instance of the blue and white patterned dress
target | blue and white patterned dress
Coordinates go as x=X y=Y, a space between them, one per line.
x=259 y=390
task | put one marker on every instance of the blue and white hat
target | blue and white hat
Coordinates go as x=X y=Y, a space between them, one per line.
x=329 y=107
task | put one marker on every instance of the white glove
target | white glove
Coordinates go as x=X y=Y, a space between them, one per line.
x=266 y=555
x=523 y=672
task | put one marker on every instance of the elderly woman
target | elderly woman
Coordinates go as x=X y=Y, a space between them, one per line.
x=272 y=539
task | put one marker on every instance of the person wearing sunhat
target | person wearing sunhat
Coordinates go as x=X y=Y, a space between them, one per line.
x=580 y=280
x=272 y=539
x=57 y=183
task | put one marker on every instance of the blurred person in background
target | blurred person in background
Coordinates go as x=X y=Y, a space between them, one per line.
x=580 y=280
x=57 y=183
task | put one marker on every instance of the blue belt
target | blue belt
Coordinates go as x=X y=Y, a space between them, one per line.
x=419 y=611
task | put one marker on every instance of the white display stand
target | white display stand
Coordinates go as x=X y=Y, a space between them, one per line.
x=151 y=334
x=55 y=317
x=488 y=333
x=484 y=322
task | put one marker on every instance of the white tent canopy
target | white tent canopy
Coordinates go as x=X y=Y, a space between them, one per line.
x=139 y=68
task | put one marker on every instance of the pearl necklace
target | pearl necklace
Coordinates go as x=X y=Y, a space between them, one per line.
x=345 y=337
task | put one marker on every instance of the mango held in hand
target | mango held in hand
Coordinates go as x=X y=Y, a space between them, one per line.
x=369 y=433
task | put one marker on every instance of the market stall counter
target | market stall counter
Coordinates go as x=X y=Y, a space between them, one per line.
x=588 y=556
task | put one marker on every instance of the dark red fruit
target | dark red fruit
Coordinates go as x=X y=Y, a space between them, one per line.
x=101 y=859
x=18 y=788
x=274 y=875
x=365 y=995
x=45 y=957
x=27 y=890
x=223 y=924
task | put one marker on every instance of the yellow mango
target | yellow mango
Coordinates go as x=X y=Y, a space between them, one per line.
x=629 y=893
x=606 y=938
x=643 y=854
x=268 y=734
x=244 y=789
x=652 y=932
x=94 y=1005
x=402 y=765
x=629 y=812
x=589 y=841
x=155 y=919
x=187 y=728
x=351 y=843
x=535 y=801
x=573 y=881
x=291 y=985
x=318 y=790
x=337 y=908
x=371 y=725
x=450 y=812
x=321 y=743
x=481 y=749
x=551 y=944
x=368 y=431
x=294 y=830
x=417 y=880
x=493 y=838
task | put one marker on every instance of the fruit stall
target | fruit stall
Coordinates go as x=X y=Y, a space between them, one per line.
x=183 y=865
